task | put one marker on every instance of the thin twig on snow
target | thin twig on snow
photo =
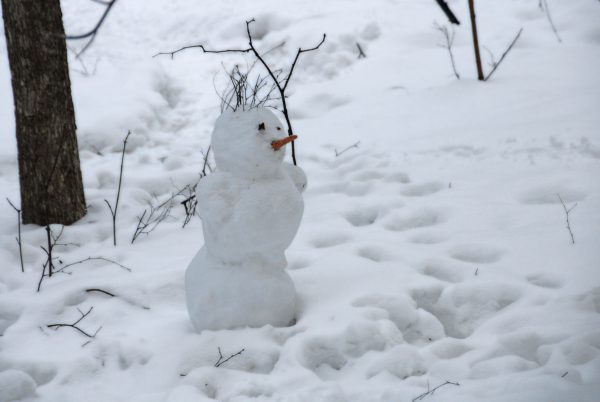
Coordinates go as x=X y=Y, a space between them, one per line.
x=430 y=392
x=113 y=212
x=18 y=238
x=567 y=212
x=496 y=65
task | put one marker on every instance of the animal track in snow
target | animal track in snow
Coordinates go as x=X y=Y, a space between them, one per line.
x=548 y=194
x=325 y=240
x=476 y=253
x=372 y=253
x=299 y=263
x=352 y=189
x=508 y=364
x=416 y=325
x=416 y=219
x=544 y=281
x=402 y=361
x=444 y=270
x=367 y=175
x=419 y=190
x=449 y=348
x=362 y=216
x=398 y=177
x=319 y=351
x=318 y=104
x=427 y=238
x=463 y=307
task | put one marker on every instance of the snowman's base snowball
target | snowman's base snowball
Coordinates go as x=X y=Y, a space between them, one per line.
x=224 y=296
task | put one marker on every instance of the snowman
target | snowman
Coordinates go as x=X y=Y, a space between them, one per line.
x=251 y=208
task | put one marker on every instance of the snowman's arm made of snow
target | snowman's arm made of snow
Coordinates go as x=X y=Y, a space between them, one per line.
x=296 y=174
x=216 y=194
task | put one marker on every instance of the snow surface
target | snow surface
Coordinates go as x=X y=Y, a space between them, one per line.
x=435 y=251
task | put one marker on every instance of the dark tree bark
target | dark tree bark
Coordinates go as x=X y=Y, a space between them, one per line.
x=49 y=170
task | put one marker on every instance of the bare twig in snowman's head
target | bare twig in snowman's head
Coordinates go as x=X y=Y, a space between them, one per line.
x=250 y=143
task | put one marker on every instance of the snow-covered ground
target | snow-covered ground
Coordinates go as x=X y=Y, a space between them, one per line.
x=434 y=251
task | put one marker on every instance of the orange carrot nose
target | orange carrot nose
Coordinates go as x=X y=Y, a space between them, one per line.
x=280 y=143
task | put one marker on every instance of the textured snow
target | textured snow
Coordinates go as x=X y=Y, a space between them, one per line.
x=435 y=251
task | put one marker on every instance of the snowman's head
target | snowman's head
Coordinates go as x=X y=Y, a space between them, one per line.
x=249 y=143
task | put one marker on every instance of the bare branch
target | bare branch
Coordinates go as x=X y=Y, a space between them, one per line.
x=222 y=361
x=62 y=269
x=19 y=232
x=516 y=38
x=113 y=211
x=355 y=145
x=206 y=164
x=567 y=212
x=449 y=37
x=74 y=325
x=100 y=291
x=280 y=85
x=204 y=50
x=92 y=33
x=543 y=4
x=361 y=54
x=300 y=51
x=446 y=9
x=51 y=241
x=430 y=392
x=154 y=215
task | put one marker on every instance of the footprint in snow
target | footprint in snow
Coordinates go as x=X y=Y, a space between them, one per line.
x=548 y=194
x=420 y=190
x=367 y=175
x=325 y=240
x=445 y=270
x=362 y=216
x=373 y=253
x=413 y=220
x=544 y=281
x=476 y=253
x=398 y=177
x=427 y=238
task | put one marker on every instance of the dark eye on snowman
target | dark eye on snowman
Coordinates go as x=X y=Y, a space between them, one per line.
x=278 y=128
x=261 y=126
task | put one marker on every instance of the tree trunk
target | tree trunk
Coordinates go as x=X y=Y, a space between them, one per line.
x=480 y=76
x=49 y=171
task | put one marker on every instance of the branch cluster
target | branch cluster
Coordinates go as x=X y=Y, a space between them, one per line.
x=245 y=92
x=281 y=81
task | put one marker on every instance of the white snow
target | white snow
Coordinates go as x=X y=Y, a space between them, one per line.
x=250 y=210
x=435 y=251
